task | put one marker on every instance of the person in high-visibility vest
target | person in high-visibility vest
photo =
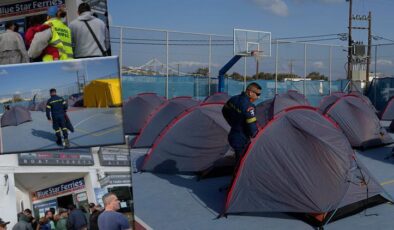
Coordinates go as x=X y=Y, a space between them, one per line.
x=61 y=34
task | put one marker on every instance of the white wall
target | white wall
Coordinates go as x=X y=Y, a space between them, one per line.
x=8 y=211
x=9 y=165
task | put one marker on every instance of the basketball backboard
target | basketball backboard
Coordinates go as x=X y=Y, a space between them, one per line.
x=248 y=41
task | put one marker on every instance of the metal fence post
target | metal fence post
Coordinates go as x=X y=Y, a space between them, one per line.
x=304 y=69
x=376 y=59
x=209 y=65
x=276 y=67
x=121 y=51
x=330 y=72
x=244 y=73
x=167 y=54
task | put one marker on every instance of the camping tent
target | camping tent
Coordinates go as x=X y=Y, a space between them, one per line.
x=357 y=120
x=136 y=111
x=191 y=143
x=388 y=112
x=15 y=116
x=75 y=100
x=39 y=106
x=365 y=99
x=217 y=97
x=266 y=110
x=301 y=163
x=160 y=118
x=102 y=93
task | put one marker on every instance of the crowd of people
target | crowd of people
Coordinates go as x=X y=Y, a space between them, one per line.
x=86 y=36
x=72 y=218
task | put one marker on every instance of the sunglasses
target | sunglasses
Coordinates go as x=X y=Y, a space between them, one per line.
x=257 y=94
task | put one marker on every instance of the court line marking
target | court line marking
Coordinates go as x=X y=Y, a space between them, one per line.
x=387 y=182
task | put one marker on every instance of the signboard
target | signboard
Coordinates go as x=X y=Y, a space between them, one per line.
x=82 y=196
x=100 y=192
x=114 y=156
x=27 y=7
x=74 y=157
x=40 y=208
x=116 y=179
x=60 y=189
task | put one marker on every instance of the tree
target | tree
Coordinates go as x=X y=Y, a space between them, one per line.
x=17 y=98
x=316 y=76
x=202 y=71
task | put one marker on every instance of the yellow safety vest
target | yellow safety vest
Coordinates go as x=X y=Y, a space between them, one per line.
x=61 y=39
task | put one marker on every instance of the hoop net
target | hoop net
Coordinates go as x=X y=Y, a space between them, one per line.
x=257 y=54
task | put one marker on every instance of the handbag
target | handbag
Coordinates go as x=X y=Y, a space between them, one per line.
x=104 y=52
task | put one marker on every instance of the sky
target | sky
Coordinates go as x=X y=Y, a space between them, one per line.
x=284 y=18
x=24 y=78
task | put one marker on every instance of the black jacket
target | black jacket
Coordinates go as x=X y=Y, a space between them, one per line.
x=56 y=106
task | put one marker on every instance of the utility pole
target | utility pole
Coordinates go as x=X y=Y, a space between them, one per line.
x=369 y=46
x=350 y=44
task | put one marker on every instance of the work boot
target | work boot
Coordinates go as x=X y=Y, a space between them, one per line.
x=59 y=142
x=66 y=143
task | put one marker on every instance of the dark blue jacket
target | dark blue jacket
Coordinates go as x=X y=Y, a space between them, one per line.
x=76 y=220
x=239 y=112
x=56 y=106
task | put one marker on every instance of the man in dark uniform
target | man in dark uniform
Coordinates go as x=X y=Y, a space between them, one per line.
x=57 y=107
x=239 y=112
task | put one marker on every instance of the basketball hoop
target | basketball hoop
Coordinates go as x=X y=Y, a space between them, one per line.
x=257 y=54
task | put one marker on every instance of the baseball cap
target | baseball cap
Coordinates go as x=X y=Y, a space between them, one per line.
x=3 y=223
x=52 y=11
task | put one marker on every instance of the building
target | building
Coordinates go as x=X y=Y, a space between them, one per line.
x=39 y=181
x=21 y=11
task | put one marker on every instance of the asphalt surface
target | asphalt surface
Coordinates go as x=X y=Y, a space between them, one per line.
x=93 y=127
x=181 y=202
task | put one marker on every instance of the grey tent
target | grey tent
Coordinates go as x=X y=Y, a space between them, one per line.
x=160 y=118
x=217 y=97
x=357 y=120
x=191 y=143
x=365 y=99
x=75 y=100
x=137 y=109
x=38 y=106
x=329 y=100
x=15 y=116
x=388 y=112
x=302 y=163
x=266 y=110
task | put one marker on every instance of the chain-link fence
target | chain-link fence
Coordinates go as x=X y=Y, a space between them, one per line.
x=172 y=63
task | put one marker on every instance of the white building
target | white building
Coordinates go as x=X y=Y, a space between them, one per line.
x=29 y=180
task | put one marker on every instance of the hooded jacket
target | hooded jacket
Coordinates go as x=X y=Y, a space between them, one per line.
x=83 y=42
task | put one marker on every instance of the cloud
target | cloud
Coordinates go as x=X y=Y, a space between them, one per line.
x=318 y=64
x=192 y=63
x=320 y=1
x=72 y=66
x=384 y=62
x=331 y=1
x=278 y=7
x=3 y=72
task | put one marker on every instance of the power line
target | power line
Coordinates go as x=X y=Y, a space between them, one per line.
x=317 y=40
x=313 y=36
x=376 y=37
